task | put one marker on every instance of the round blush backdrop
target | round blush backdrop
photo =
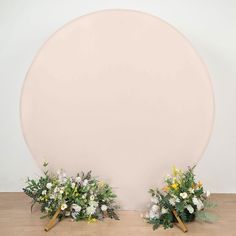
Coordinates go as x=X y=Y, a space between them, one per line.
x=121 y=93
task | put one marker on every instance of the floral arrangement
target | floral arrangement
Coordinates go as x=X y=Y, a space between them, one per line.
x=82 y=197
x=182 y=197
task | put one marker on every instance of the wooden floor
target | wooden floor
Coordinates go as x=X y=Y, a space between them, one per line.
x=16 y=219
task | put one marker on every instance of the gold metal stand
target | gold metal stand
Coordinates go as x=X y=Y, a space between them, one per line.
x=181 y=223
x=53 y=221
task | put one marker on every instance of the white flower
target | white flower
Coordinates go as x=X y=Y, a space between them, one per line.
x=200 y=205
x=46 y=209
x=74 y=214
x=77 y=179
x=155 y=208
x=195 y=201
x=91 y=197
x=154 y=200
x=152 y=214
x=84 y=196
x=177 y=199
x=76 y=207
x=63 y=206
x=208 y=193
x=49 y=185
x=191 y=190
x=85 y=182
x=61 y=191
x=44 y=192
x=67 y=213
x=190 y=209
x=52 y=196
x=183 y=195
x=93 y=203
x=163 y=210
x=103 y=207
x=72 y=185
x=90 y=210
x=56 y=190
x=172 y=201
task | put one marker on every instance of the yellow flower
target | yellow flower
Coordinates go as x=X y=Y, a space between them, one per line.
x=174 y=186
x=91 y=220
x=199 y=184
x=166 y=188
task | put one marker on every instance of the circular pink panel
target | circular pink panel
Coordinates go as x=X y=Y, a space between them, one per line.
x=121 y=93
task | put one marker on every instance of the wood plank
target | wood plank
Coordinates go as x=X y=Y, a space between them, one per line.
x=16 y=219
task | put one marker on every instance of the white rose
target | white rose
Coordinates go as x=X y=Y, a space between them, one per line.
x=63 y=206
x=85 y=182
x=155 y=208
x=49 y=185
x=190 y=209
x=90 y=210
x=184 y=195
x=172 y=201
x=91 y=197
x=154 y=200
x=164 y=210
x=76 y=207
x=44 y=192
x=103 y=207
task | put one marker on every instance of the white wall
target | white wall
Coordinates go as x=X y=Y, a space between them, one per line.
x=209 y=24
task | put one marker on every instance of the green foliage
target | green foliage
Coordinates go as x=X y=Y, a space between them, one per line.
x=81 y=198
x=184 y=195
